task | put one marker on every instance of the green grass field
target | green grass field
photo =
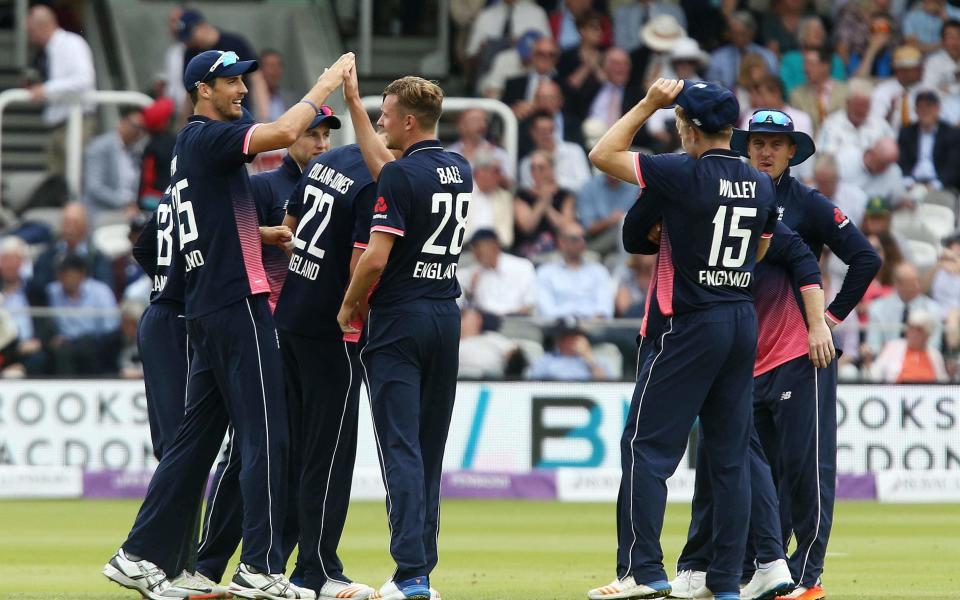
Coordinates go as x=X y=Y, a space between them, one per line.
x=53 y=550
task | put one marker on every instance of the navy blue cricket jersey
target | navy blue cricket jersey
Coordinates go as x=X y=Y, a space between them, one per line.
x=716 y=209
x=156 y=250
x=215 y=215
x=422 y=198
x=271 y=190
x=332 y=201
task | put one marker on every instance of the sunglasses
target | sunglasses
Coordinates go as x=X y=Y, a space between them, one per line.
x=771 y=116
x=326 y=110
x=226 y=59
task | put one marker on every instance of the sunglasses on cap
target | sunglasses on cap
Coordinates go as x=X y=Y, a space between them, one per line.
x=226 y=59
x=325 y=110
x=771 y=116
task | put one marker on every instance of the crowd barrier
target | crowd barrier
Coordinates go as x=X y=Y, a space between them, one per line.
x=524 y=440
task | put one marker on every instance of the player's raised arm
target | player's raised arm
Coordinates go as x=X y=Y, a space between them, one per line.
x=284 y=131
x=612 y=153
x=375 y=153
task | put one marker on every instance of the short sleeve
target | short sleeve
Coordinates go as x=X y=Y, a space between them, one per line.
x=226 y=145
x=663 y=173
x=393 y=202
x=362 y=214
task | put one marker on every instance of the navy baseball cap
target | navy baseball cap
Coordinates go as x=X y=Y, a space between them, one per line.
x=325 y=116
x=768 y=120
x=215 y=63
x=188 y=21
x=711 y=107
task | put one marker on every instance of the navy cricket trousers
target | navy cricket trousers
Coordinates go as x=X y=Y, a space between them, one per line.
x=235 y=377
x=165 y=354
x=410 y=363
x=701 y=365
x=795 y=414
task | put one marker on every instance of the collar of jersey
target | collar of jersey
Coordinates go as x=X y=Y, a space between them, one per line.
x=720 y=152
x=424 y=145
x=784 y=180
x=291 y=166
x=197 y=118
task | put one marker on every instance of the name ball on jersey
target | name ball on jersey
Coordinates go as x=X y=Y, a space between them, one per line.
x=449 y=175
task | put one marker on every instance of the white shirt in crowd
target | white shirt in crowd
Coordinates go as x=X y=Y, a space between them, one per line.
x=69 y=73
x=491 y=20
x=940 y=73
x=502 y=156
x=508 y=289
x=584 y=290
x=569 y=163
x=887 y=103
x=838 y=133
x=173 y=69
x=888 y=183
x=607 y=105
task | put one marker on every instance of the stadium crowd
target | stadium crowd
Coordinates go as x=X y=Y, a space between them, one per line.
x=875 y=82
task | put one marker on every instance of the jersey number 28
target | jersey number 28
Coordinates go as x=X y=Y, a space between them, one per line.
x=446 y=201
x=735 y=231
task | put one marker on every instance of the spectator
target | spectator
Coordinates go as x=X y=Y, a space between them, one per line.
x=569 y=159
x=849 y=198
x=499 y=284
x=173 y=62
x=157 y=154
x=687 y=61
x=111 y=174
x=943 y=281
x=923 y=24
x=472 y=125
x=491 y=205
x=630 y=302
x=940 y=70
x=601 y=204
x=13 y=299
x=854 y=127
x=768 y=92
x=852 y=31
x=930 y=148
x=893 y=99
x=630 y=17
x=129 y=365
x=80 y=345
x=583 y=63
x=498 y=25
x=510 y=63
x=822 y=94
x=911 y=359
x=278 y=100
x=725 y=60
x=483 y=354
x=780 y=28
x=571 y=359
x=812 y=36
x=567 y=126
x=73 y=241
x=66 y=66
x=565 y=23
x=659 y=36
x=542 y=209
x=573 y=287
x=519 y=91
x=876 y=60
x=608 y=99
x=875 y=170
x=199 y=36
x=887 y=315
x=877 y=220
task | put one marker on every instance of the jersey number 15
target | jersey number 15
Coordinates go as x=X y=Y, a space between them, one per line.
x=735 y=231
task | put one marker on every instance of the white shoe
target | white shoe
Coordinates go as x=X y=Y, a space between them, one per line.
x=704 y=593
x=338 y=589
x=247 y=583
x=629 y=588
x=687 y=582
x=434 y=594
x=218 y=590
x=141 y=575
x=415 y=591
x=191 y=585
x=769 y=583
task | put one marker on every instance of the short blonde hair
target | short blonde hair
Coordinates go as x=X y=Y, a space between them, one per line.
x=418 y=97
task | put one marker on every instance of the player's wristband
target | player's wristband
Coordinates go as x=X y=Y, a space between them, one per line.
x=310 y=102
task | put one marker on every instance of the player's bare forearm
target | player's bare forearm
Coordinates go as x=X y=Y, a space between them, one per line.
x=819 y=337
x=375 y=153
x=369 y=267
x=277 y=235
x=355 y=259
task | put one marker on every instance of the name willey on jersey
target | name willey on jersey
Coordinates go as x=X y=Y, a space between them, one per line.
x=735 y=190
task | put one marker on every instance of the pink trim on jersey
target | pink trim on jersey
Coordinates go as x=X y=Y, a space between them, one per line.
x=636 y=169
x=646 y=303
x=248 y=230
x=385 y=229
x=812 y=286
x=766 y=236
x=359 y=246
x=833 y=318
x=246 y=138
x=665 y=274
x=781 y=330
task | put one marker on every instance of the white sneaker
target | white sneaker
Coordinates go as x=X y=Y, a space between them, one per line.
x=247 y=583
x=218 y=590
x=769 y=583
x=704 y=593
x=141 y=575
x=687 y=582
x=434 y=594
x=415 y=590
x=338 y=589
x=629 y=588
